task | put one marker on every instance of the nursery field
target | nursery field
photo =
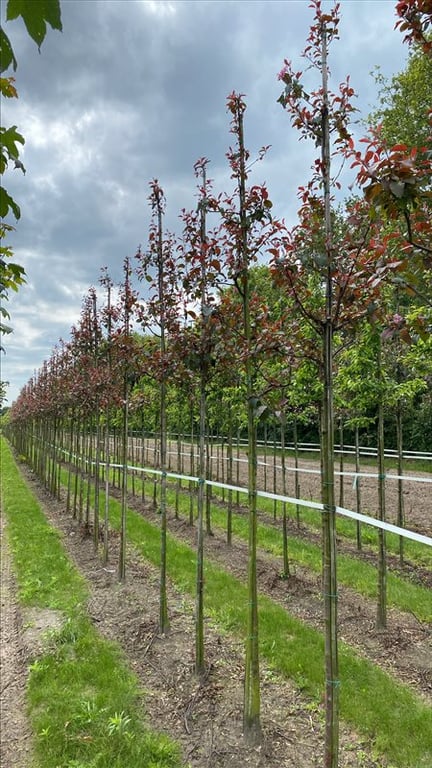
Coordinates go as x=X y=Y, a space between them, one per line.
x=187 y=582
x=386 y=680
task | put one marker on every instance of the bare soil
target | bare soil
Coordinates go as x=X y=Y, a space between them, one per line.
x=205 y=715
x=417 y=495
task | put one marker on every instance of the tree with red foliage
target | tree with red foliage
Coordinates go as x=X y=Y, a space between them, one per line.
x=161 y=310
x=415 y=19
x=333 y=272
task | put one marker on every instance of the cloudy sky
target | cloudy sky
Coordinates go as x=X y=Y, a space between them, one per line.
x=134 y=90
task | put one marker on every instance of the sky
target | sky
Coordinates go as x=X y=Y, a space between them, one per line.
x=133 y=90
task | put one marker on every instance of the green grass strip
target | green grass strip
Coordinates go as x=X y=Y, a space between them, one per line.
x=398 y=722
x=83 y=701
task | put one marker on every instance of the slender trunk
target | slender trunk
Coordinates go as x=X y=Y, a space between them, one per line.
x=96 y=482
x=53 y=470
x=133 y=462
x=199 y=603
x=401 y=507
x=341 y=463
x=179 y=470
x=124 y=462
x=209 y=473
x=381 y=621
x=286 y=570
x=296 y=473
x=77 y=469
x=275 y=487
x=357 y=487
x=69 y=470
x=125 y=426
x=82 y=471
x=143 y=457
x=192 y=469
x=230 y=477
x=89 y=466
x=331 y=753
x=163 y=603
x=199 y=598
x=105 y=555
x=252 y=704
x=238 y=468
x=252 y=694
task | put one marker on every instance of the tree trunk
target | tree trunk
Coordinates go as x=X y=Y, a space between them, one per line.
x=105 y=556
x=381 y=621
x=401 y=507
x=341 y=463
x=252 y=695
x=124 y=461
x=230 y=477
x=199 y=601
x=332 y=683
x=296 y=473
x=286 y=570
x=357 y=487
x=163 y=604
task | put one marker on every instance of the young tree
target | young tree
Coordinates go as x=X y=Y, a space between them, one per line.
x=245 y=229
x=340 y=263
x=161 y=311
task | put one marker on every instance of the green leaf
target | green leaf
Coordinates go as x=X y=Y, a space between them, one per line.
x=9 y=139
x=35 y=15
x=6 y=53
x=6 y=202
x=4 y=313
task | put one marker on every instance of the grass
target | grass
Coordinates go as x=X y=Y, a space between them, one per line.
x=84 y=704
x=397 y=722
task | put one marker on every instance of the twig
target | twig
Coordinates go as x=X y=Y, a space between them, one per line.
x=194 y=698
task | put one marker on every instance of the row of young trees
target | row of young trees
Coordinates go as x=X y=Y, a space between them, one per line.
x=343 y=291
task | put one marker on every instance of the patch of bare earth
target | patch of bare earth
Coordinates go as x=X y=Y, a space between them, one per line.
x=417 y=494
x=204 y=716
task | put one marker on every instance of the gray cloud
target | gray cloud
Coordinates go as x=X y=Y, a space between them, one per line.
x=133 y=90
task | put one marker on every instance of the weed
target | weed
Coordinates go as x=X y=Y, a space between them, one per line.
x=118 y=723
x=37 y=667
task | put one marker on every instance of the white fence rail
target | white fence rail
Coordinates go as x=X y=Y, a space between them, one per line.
x=366 y=519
